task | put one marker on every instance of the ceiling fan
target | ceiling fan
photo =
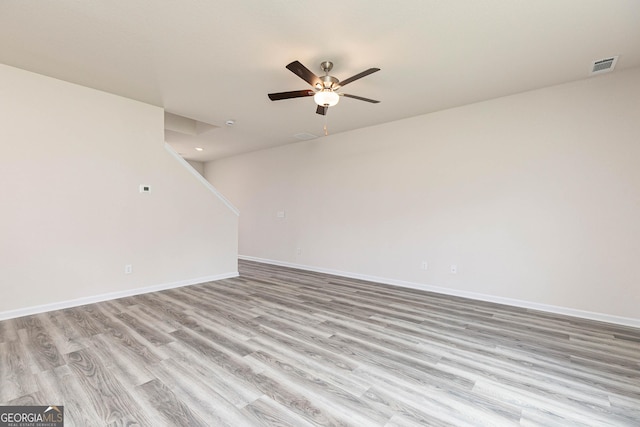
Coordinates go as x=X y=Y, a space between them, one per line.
x=324 y=88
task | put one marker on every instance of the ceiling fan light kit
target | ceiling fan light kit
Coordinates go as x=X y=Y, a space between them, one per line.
x=326 y=98
x=325 y=88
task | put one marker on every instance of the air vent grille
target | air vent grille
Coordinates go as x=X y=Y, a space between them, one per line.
x=604 y=65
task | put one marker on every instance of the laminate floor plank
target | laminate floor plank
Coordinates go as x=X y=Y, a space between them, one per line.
x=16 y=378
x=623 y=406
x=438 y=341
x=289 y=315
x=112 y=402
x=31 y=399
x=163 y=307
x=601 y=380
x=377 y=336
x=127 y=370
x=82 y=321
x=203 y=398
x=304 y=332
x=152 y=320
x=505 y=370
x=455 y=399
x=122 y=334
x=429 y=409
x=207 y=309
x=222 y=336
x=628 y=350
x=531 y=384
x=173 y=410
x=8 y=330
x=188 y=365
x=37 y=338
x=325 y=371
x=157 y=318
x=65 y=335
x=310 y=350
x=402 y=421
x=423 y=414
x=548 y=407
x=148 y=332
x=288 y=394
x=278 y=346
x=334 y=396
x=61 y=386
x=239 y=328
x=266 y=412
x=420 y=372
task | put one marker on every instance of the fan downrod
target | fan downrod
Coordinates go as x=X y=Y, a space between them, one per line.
x=327 y=82
x=326 y=66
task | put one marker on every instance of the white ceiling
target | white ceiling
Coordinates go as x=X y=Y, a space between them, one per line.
x=215 y=60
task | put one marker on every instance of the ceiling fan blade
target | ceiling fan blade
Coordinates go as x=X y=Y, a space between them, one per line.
x=358 y=76
x=322 y=110
x=304 y=73
x=293 y=94
x=373 y=101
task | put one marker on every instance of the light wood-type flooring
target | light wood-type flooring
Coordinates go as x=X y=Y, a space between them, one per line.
x=282 y=347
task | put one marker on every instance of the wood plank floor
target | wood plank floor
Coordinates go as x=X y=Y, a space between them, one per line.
x=282 y=347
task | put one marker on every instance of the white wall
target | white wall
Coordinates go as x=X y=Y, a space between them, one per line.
x=198 y=166
x=72 y=217
x=535 y=197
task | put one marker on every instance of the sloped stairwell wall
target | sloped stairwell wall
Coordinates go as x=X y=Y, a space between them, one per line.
x=72 y=218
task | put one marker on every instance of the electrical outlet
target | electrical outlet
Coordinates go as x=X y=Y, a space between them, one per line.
x=424 y=265
x=454 y=269
x=128 y=269
x=299 y=251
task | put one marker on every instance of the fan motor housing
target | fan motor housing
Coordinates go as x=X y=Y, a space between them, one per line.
x=328 y=81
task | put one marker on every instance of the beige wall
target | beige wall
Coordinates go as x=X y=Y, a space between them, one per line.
x=535 y=197
x=72 y=216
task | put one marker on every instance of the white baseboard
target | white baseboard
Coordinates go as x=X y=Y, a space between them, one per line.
x=11 y=314
x=626 y=321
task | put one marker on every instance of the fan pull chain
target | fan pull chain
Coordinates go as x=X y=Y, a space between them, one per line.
x=326 y=131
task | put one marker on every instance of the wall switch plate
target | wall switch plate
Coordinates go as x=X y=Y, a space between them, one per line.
x=128 y=269
x=454 y=269
x=424 y=265
x=298 y=251
x=281 y=214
